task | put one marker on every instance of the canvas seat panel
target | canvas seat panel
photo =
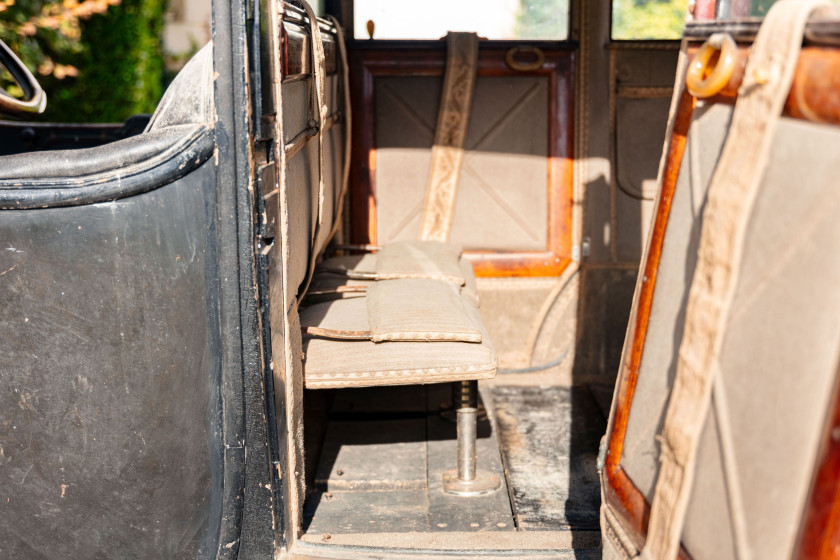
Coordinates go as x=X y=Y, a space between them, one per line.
x=340 y=285
x=405 y=259
x=331 y=363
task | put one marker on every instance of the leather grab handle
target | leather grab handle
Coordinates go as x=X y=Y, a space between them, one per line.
x=536 y=64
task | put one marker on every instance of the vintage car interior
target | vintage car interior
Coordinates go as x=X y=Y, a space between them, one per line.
x=385 y=280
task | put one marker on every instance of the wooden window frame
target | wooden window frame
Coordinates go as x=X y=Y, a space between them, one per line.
x=370 y=60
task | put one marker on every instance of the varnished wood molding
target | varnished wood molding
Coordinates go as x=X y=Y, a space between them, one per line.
x=623 y=497
x=814 y=93
x=366 y=64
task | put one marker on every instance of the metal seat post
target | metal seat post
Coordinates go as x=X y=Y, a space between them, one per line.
x=466 y=480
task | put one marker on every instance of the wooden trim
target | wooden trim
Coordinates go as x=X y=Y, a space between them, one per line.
x=623 y=497
x=362 y=191
x=817 y=77
x=368 y=63
x=404 y=45
x=813 y=94
x=819 y=531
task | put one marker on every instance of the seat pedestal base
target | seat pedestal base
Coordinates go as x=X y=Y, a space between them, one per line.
x=484 y=483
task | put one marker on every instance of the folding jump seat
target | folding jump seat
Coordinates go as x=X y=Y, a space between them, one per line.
x=406 y=314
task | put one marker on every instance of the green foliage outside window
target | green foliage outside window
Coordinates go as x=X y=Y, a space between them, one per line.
x=648 y=19
x=760 y=7
x=542 y=19
x=97 y=60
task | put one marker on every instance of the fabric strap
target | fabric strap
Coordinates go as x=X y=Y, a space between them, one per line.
x=344 y=69
x=448 y=149
x=319 y=115
x=731 y=196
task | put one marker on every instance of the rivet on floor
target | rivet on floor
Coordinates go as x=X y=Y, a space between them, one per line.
x=501 y=524
x=326 y=536
x=441 y=525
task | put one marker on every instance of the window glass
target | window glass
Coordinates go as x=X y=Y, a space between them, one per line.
x=492 y=19
x=737 y=9
x=734 y=9
x=648 y=19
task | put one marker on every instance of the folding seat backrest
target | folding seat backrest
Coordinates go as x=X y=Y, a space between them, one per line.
x=315 y=149
x=763 y=221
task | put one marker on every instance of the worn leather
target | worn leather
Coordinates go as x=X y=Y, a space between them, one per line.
x=186 y=106
x=90 y=161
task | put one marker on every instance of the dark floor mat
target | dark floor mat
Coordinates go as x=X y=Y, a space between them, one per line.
x=549 y=437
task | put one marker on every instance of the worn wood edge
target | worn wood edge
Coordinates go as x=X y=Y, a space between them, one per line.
x=324 y=485
x=819 y=530
x=362 y=190
x=625 y=499
x=426 y=543
x=517 y=265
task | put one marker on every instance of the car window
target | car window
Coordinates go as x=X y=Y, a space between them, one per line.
x=648 y=19
x=491 y=19
x=733 y=9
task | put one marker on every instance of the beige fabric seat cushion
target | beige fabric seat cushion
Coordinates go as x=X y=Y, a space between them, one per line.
x=326 y=284
x=432 y=317
x=417 y=309
x=404 y=259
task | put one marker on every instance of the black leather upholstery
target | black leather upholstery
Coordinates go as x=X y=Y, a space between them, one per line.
x=186 y=107
x=88 y=161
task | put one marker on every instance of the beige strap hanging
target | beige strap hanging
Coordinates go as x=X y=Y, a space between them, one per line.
x=319 y=100
x=731 y=195
x=347 y=119
x=448 y=149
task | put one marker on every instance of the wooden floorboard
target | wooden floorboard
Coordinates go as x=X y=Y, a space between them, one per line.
x=386 y=450
x=549 y=437
x=559 y=545
x=373 y=455
x=366 y=512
